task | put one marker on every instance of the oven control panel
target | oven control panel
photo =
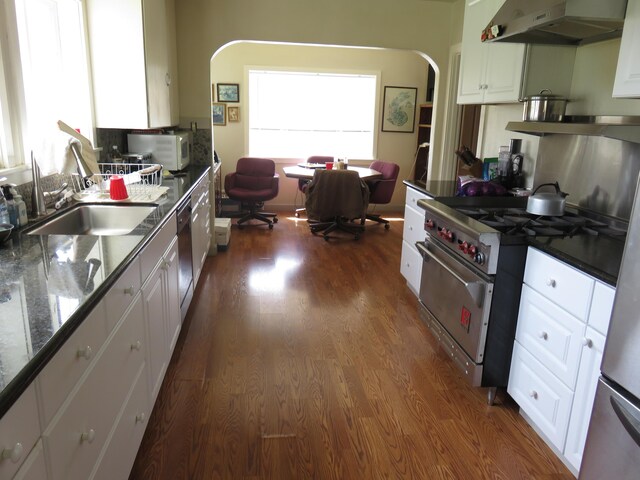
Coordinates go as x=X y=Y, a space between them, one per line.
x=461 y=244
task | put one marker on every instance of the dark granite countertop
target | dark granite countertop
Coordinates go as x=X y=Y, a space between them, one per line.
x=434 y=188
x=40 y=307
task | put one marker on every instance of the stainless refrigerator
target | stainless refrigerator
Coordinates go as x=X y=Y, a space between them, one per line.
x=612 y=450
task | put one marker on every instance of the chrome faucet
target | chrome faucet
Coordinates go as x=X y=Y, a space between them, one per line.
x=38 y=207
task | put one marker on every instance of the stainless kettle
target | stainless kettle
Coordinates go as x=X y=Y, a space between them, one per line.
x=545 y=203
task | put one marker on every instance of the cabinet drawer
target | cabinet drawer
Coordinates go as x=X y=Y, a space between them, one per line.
x=564 y=285
x=412 y=198
x=120 y=296
x=60 y=375
x=413 y=225
x=19 y=432
x=550 y=334
x=121 y=451
x=601 y=307
x=540 y=395
x=157 y=246
x=411 y=266
x=77 y=434
x=34 y=467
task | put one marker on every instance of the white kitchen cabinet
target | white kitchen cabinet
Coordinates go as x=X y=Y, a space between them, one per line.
x=19 y=432
x=200 y=226
x=171 y=267
x=627 y=80
x=592 y=351
x=506 y=72
x=560 y=337
x=34 y=467
x=413 y=231
x=133 y=58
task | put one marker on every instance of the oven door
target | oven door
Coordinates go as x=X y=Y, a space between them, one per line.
x=457 y=296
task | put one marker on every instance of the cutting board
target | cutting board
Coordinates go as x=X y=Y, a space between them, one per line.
x=88 y=153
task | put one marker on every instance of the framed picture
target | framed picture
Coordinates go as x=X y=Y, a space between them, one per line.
x=399 y=109
x=229 y=92
x=233 y=114
x=218 y=114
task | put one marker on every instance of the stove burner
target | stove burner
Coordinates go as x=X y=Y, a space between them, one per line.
x=517 y=222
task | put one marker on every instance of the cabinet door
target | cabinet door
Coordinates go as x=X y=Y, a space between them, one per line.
x=477 y=14
x=627 y=81
x=504 y=66
x=411 y=266
x=156 y=333
x=593 y=347
x=172 y=294
x=157 y=62
x=34 y=467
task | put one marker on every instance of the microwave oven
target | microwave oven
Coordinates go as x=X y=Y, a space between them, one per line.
x=172 y=151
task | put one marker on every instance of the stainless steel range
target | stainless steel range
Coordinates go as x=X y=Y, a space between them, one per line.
x=474 y=256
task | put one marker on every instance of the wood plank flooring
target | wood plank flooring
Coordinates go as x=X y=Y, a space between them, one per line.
x=301 y=358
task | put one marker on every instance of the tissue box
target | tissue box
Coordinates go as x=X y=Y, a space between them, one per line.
x=222 y=232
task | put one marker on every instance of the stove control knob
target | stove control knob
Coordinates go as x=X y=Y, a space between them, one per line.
x=429 y=224
x=472 y=251
x=446 y=234
x=479 y=258
x=463 y=247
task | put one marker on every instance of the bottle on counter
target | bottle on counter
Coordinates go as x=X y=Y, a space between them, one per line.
x=11 y=206
x=115 y=156
x=4 y=210
x=21 y=206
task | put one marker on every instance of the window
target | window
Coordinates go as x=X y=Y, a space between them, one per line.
x=50 y=68
x=299 y=114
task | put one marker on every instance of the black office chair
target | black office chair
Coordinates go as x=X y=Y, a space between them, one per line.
x=334 y=199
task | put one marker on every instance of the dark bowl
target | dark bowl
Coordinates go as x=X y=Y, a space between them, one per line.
x=5 y=232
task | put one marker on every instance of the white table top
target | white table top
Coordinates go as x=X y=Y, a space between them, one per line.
x=307 y=173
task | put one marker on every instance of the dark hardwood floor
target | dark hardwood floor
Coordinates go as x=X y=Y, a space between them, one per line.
x=301 y=358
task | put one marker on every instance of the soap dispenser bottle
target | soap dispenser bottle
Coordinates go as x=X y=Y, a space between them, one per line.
x=4 y=211
x=11 y=206
x=21 y=207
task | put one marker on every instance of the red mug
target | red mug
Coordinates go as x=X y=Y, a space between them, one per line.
x=329 y=165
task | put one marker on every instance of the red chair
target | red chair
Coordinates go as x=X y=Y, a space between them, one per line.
x=302 y=184
x=382 y=188
x=255 y=181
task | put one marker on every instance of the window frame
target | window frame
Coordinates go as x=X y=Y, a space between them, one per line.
x=337 y=71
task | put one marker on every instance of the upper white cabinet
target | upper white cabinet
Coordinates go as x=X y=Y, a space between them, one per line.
x=133 y=57
x=505 y=72
x=627 y=81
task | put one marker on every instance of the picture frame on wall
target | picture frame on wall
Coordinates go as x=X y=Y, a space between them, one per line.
x=218 y=114
x=228 y=92
x=233 y=114
x=399 y=109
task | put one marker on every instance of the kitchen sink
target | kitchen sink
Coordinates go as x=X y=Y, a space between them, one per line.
x=96 y=220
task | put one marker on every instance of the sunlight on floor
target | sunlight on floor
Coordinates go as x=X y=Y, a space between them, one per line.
x=273 y=279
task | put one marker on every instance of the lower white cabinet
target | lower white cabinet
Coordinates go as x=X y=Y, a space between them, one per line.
x=200 y=226
x=562 y=322
x=413 y=231
x=34 y=467
x=592 y=351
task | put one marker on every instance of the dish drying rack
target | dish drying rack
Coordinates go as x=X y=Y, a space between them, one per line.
x=142 y=180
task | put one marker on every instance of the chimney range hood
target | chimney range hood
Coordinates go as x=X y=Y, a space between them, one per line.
x=618 y=127
x=558 y=22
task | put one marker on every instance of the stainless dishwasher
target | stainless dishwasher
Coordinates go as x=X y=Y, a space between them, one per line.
x=185 y=280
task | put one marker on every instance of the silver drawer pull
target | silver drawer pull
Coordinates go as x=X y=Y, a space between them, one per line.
x=533 y=394
x=543 y=335
x=551 y=283
x=88 y=436
x=85 y=353
x=129 y=291
x=587 y=342
x=14 y=454
x=141 y=417
x=136 y=346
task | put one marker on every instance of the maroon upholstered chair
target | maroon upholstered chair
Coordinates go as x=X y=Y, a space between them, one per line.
x=255 y=181
x=382 y=188
x=302 y=184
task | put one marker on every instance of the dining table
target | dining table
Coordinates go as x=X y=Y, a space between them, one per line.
x=306 y=173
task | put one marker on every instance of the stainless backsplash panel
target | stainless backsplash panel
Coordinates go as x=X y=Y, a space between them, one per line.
x=599 y=173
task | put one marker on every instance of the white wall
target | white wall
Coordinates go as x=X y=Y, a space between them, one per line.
x=203 y=27
x=396 y=67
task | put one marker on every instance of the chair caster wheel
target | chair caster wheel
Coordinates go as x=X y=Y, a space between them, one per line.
x=297 y=215
x=271 y=226
x=326 y=239
x=275 y=219
x=386 y=226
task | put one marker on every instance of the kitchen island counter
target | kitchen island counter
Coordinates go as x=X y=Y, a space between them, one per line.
x=49 y=283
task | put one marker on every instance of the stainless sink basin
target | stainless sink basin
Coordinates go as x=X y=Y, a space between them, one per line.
x=96 y=220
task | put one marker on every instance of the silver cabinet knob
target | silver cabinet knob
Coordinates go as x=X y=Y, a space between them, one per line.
x=137 y=345
x=543 y=335
x=141 y=417
x=533 y=394
x=130 y=291
x=88 y=436
x=85 y=353
x=587 y=342
x=551 y=283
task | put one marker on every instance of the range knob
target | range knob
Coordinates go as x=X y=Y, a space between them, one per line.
x=446 y=234
x=463 y=247
x=479 y=258
x=429 y=224
x=472 y=251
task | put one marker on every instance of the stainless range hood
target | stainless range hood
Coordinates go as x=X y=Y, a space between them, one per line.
x=559 y=22
x=625 y=128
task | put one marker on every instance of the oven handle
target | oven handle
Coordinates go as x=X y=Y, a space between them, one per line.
x=475 y=289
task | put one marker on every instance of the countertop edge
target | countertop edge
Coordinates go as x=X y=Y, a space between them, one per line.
x=16 y=387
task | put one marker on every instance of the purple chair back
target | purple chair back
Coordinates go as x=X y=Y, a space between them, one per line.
x=255 y=173
x=382 y=188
